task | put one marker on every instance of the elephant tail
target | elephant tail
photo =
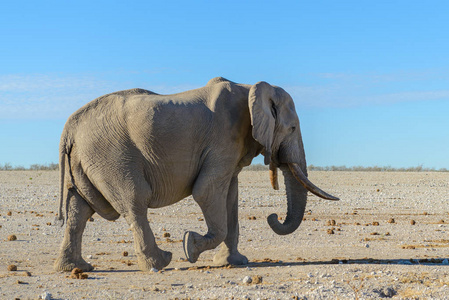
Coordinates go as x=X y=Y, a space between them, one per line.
x=62 y=155
x=64 y=162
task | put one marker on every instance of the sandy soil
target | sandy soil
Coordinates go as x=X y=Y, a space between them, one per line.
x=366 y=257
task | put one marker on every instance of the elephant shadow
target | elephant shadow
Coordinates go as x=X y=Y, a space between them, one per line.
x=256 y=264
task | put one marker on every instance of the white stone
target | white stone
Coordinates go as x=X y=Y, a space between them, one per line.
x=45 y=296
x=247 y=279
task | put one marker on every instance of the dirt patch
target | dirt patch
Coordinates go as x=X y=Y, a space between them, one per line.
x=373 y=251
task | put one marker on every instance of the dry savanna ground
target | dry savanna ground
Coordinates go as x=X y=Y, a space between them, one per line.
x=388 y=237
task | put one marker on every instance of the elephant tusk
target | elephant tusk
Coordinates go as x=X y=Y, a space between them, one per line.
x=299 y=175
x=274 y=176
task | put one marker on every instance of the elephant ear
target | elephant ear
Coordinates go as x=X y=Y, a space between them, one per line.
x=262 y=111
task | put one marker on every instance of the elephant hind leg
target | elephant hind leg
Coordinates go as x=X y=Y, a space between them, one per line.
x=89 y=192
x=70 y=252
x=149 y=255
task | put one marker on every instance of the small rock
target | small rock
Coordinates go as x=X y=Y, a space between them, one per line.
x=154 y=270
x=77 y=271
x=386 y=292
x=12 y=268
x=391 y=221
x=89 y=256
x=375 y=223
x=408 y=247
x=26 y=273
x=412 y=222
x=9 y=213
x=331 y=223
x=330 y=231
x=257 y=279
x=125 y=253
x=45 y=296
x=12 y=237
x=247 y=280
x=166 y=234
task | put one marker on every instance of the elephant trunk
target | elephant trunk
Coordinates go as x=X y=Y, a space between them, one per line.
x=296 y=184
x=296 y=205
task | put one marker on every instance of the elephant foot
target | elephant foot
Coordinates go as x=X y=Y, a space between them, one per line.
x=63 y=264
x=224 y=257
x=158 y=262
x=189 y=245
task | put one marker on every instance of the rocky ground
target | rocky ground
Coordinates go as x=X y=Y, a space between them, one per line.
x=388 y=237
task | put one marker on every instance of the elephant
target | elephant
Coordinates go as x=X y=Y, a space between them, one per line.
x=131 y=150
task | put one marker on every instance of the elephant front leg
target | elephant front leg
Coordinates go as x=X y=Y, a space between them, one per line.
x=149 y=255
x=70 y=252
x=228 y=253
x=211 y=197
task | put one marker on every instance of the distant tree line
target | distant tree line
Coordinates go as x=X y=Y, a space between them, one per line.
x=33 y=167
x=254 y=167
x=420 y=168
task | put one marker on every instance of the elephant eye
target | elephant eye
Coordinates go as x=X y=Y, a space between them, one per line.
x=292 y=129
x=274 y=110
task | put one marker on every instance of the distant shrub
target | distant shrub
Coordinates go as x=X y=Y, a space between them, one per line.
x=256 y=167
x=6 y=167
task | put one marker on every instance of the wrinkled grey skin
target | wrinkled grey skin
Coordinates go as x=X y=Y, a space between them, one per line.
x=132 y=150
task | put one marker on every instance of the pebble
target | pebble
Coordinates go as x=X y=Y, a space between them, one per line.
x=12 y=237
x=45 y=296
x=12 y=268
x=247 y=279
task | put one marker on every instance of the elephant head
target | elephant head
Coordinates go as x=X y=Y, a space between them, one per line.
x=275 y=125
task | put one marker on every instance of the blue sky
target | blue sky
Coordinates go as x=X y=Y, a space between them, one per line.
x=370 y=79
